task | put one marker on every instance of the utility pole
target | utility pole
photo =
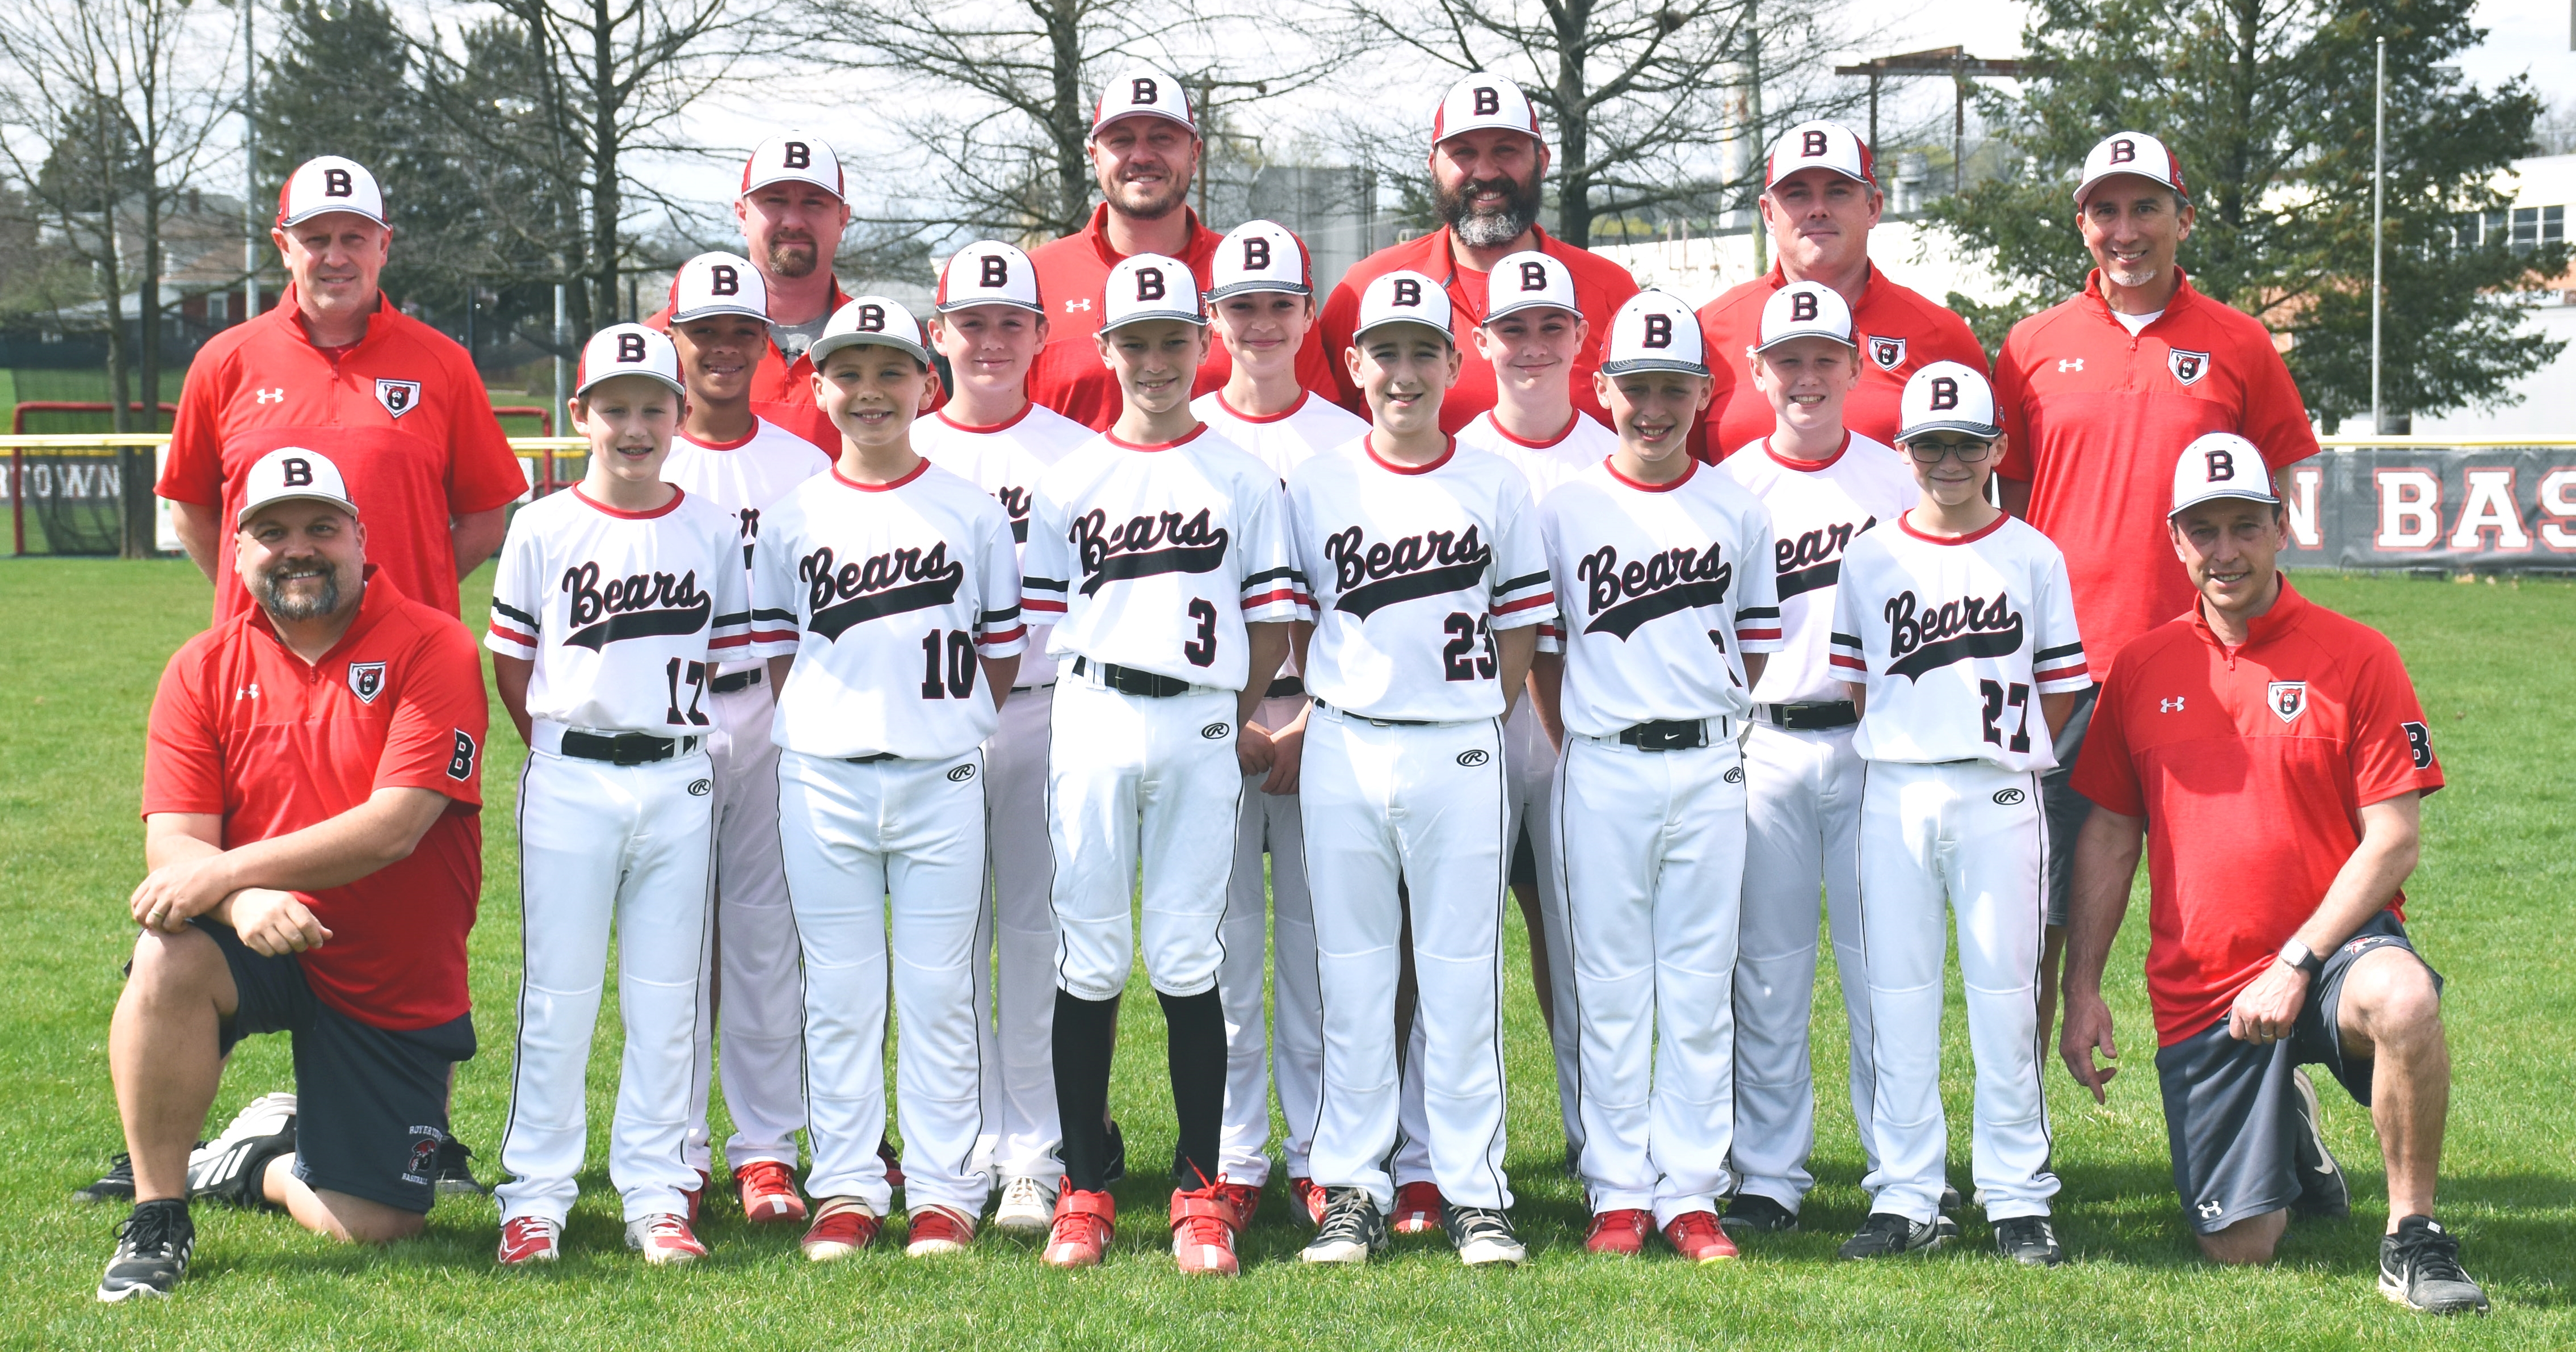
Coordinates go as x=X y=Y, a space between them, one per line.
x=2378 y=233
x=1954 y=62
x=1758 y=146
x=250 y=169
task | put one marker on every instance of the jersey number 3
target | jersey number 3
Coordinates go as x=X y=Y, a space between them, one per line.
x=1997 y=700
x=1201 y=649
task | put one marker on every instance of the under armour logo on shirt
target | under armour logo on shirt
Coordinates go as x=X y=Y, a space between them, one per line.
x=275 y=396
x=2070 y=364
x=2170 y=706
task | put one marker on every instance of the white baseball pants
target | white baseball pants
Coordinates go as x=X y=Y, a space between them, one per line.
x=1133 y=777
x=1281 y=918
x=1971 y=834
x=1802 y=832
x=861 y=841
x=1423 y=804
x=1015 y=1014
x=751 y=980
x=603 y=845
x=1654 y=861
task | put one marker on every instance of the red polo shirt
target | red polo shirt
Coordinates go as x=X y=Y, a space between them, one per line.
x=781 y=390
x=2251 y=766
x=401 y=413
x=244 y=729
x=2097 y=418
x=1600 y=288
x=1899 y=331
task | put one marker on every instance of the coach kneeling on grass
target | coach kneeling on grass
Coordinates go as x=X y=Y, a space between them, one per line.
x=2274 y=756
x=311 y=791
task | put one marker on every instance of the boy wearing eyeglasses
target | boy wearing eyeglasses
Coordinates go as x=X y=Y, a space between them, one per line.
x=1955 y=634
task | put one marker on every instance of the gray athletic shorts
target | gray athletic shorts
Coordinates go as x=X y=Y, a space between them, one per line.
x=2231 y=1116
x=2064 y=807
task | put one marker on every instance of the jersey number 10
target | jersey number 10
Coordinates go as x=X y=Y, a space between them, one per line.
x=960 y=652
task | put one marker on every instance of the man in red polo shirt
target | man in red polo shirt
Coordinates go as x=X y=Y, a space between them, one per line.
x=335 y=366
x=312 y=780
x=2274 y=757
x=792 y=216
x=1488 y=166
x=1820 y=199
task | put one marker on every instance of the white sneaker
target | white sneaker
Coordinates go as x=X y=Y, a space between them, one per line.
x=1027 y=1206
x=665 y=1238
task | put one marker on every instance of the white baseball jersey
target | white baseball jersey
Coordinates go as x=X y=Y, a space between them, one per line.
x=1283 y=441
x=1006 y=460
x=1156 y=557
x=892 y=591
x=1818 y=507
x=1412 y=568
x=1955 y=640
x=1662 y=590
x=624 y=613
x=744 y=477
x=1583 y=444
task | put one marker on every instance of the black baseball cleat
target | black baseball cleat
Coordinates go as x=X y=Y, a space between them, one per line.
x=2322 y=1189
x=1949 y=1200
x=1752 y=1213
x=2029 y=1240
x=1483 y=1236
x=1116 y=1168
x=2419 y=1268
x=456 y=1170
x=233 y=1166
x=118 y=1185
x=1886 y=1233
x=152 y=1250
x=1353 y=1229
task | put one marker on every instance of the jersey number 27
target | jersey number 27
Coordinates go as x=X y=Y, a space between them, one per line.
x=1997 y=700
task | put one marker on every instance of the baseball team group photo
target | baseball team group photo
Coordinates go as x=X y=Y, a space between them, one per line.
x=1474 y=788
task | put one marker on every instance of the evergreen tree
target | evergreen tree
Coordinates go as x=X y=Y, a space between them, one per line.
x=2268 y=104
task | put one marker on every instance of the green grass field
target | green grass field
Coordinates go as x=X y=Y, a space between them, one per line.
x=2487 y=907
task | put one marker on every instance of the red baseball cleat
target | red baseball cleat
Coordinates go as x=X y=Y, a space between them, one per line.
x=530 y=1239
x=1084 y=1222
x=893 y=1162
x=1306 y=1200
x=768 y=1192
x=843 y=1227
x=1621 y=1231
x=665 y=1238
x=1418 y=1209
x=696 y=1195
x=1246 y=1199
x=1695 y=1235
x=939 y=1229
x=1203 y=1224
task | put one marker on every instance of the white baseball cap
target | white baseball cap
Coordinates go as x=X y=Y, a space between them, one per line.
x=289 y=474
x=1149 y=286
x=1481 y=101
x=1805 y=310
x=794 y=157
x=1526 y=281
x=1947 y=397
x=628 y=350
x=718 y=284
x=872 y=319
x=988 y=272
x=1654 y=331
x=328 y=183
x=2131 y=152
x=1819 y=145
x=1142 y=89
x=1261 y=256
x=1403 y=297
x=2221 y=465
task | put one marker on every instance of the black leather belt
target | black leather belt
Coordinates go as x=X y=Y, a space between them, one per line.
x=1130 y=681
x=1808 y=717
x=736 y=682
x=1286 y=687
x=1381 y=722
x=871 y=760
x=626 y=748
x=1664 y=734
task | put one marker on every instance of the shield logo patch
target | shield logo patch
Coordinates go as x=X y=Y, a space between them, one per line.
x=2288 y=699
x=2187 y=367
x=366 y=680
x=1889 y=353
x=398 y=396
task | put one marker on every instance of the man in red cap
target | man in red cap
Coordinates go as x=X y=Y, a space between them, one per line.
x=336 y=367
x=1820 y=199
x=1488 y=164
x=792 y=212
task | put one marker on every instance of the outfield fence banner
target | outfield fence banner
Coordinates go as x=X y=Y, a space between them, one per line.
x=2387 y=504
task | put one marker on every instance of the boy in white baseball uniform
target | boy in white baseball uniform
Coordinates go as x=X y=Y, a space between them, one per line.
x=1824 y=486
x=1949 y=625
x=1261 y=303
x=1430 y=581
x=1534 y=332
x=613 y=603
x=1667 y=617
x=729 y=456
x=1161 y=549
x=899 y=631
x=991 y=325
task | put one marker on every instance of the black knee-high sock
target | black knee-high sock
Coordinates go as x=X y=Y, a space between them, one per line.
x=1194 y=1032
x=1086 y=1032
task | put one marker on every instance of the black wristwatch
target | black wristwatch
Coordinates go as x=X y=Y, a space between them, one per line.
x=2300 y=958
